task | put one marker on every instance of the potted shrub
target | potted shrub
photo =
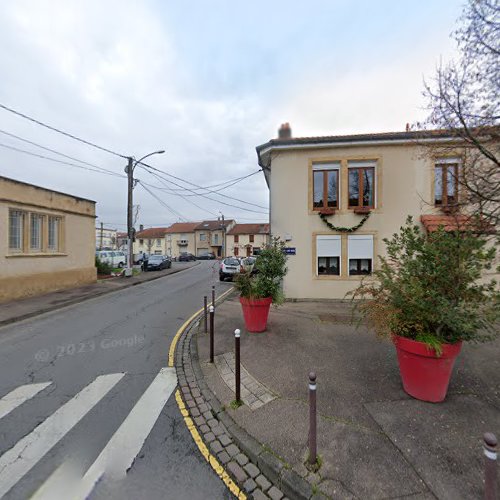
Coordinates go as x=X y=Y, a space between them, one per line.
x=429 y=295
x=262 y=286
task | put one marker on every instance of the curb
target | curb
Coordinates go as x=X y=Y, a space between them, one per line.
x=253 y=469
x=77 y=300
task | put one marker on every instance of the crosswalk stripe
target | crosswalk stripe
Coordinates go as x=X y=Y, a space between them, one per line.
x=120 y=452
x=17 y=461
x=19 y=395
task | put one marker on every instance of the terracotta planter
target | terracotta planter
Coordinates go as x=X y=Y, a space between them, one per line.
x=362 y=210
x=327 y=211
x=425 y=375
x=255 y=313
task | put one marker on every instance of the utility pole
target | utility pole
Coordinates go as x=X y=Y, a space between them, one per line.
x=223 y=237
x=130 y=225
x=100 y=244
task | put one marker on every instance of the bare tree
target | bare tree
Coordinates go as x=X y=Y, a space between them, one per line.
x=464 y=98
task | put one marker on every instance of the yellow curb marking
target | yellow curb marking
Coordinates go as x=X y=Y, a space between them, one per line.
x=214 y=463
x=173 y=345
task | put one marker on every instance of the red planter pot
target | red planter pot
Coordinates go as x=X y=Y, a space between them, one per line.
x=425 y=376
x=255 y=312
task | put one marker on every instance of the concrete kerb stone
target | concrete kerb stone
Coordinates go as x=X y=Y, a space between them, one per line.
x=289 y=482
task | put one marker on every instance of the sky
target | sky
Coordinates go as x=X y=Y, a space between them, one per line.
x=206 y=81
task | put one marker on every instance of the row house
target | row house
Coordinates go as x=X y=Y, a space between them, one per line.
x=210 y=237
x=46 y=240
x=334 y=199
x=152 y=241
x=181 y=238
x=106 y=239
x=245 y=240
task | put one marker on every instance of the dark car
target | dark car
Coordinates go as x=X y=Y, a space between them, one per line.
x=206 y=256
x=158 y=262
x=186 y=257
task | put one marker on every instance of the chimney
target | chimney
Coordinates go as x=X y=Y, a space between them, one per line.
x=141 y=227
x=285 y=132
x=407 y=127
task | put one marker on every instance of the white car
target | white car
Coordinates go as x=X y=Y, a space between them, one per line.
x=113 y=258
x=229 y=267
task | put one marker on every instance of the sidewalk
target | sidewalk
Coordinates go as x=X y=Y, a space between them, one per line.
x=374 y=440
x=26 y=308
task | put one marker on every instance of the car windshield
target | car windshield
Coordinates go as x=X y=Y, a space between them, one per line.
x=232 y=262
x=155 y=258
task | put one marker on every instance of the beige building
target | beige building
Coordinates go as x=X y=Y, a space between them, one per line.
x=47 y=240
x=210 y=236
x=151 y=241
x=245 y=240
x=180 y=238
x=369 y=182
x=106 y=239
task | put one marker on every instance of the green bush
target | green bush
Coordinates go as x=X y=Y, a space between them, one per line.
x=271 y=269
x=102 y=267
x=431 y=288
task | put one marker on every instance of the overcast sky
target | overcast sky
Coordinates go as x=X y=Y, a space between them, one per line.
x=207 y=81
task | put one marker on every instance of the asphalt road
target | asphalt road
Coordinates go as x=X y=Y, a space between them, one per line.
x=104 y=401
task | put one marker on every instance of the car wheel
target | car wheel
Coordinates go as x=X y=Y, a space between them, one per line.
x=120 y=264
x=221 y=277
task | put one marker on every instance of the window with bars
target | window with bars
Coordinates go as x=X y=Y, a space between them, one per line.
x=54 y=224
x=326 y=185
x=36 y=227
x=446 y=183
x=361 y=181
x=16 y=230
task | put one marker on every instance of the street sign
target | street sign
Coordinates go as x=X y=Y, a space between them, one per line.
x=290 y=250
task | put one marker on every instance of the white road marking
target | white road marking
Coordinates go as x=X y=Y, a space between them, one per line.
x=17 y=461
x=19 y=395
x=120 y=452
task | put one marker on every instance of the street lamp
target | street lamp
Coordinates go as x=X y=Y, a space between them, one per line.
x=129 y=169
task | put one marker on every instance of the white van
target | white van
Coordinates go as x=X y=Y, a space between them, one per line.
x=113 y=258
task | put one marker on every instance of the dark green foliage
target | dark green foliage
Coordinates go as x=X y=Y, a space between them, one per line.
x=102 y=267
x=271 y=269
x=432 y=288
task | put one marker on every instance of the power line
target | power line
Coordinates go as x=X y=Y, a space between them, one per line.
x=59 y=153
x=168 y=207
x=197 y=186
x=67 y=134
x=100 y=171
x=207 y=197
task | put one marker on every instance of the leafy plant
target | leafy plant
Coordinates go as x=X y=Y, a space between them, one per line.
x=271 y=269
x=102 y=267
x=431 y=288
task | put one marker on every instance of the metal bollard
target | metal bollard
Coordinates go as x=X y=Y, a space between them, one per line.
x=490 y=466
x=212 y=309
x=213 y=295
x=237 y=375
x=312 y=418
x=205 y=312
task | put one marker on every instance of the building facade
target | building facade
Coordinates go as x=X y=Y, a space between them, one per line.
x=180 y=238
x=106 y=239
x=210 y=236
x=47 y=240
x=334 y=199
x=152 y=241
x=244 y=240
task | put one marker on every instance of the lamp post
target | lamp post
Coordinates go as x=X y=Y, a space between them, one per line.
x=129 y=169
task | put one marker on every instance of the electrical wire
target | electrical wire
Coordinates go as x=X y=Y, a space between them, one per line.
x=59 y=153
x=19 y=150
x=168 y=207
x=54 y=129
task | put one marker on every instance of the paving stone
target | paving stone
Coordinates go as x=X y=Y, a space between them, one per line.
x=203 y=407
x=225 y=440
x=195 y=412
x=208 y=415
x=199 y=421
x=223 y=457
x=274 y=493
x=191 y=404
x=186 y=390
x=241 y=459
x=267 y=398
x=262 y=481
x=218 y=430
x=249 y=485
x=258 y=495
x=212 y=423
x=196 y=393
x=209 y=437
x=204 y=428
x=215 y=447
x=252 y=470
x=232 y=450
x=238 y=473
x=199 y=401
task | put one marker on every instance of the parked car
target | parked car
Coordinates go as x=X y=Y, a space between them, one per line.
x=139 y=257
x=248 y=265
x=113 y=258
x=186 y=257
x=158 y=262
x=229 y=267
x=206 y=256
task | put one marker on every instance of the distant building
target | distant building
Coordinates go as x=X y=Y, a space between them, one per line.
x=122 y=241
x=151 y=241
x=245 y=240
x=47 y=240
x=106 y=239
x=181 y=238
x=211 y=235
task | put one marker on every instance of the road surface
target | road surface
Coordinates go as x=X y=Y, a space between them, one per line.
x=87 y=403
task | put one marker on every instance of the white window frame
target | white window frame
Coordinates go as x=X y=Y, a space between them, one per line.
x=360 y=237
x=331 y=253
x=57 y=236
x=20 y=236
x=40 y=218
